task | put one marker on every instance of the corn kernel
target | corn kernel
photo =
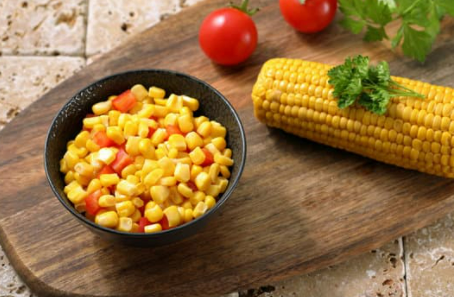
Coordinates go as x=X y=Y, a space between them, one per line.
x=155 y=92
x=107 y=219
x=204 y=129
x=84 y=169
x=195 y=170
x=225 y=171
x=82 y=180
x=139 y=92
x=199 y=120
x=125 y=208
x=153 y=177
x=202 y=181
x=149 y=165
x=212 y=149
x=185 y=190
x=188 y=216
x=175 y=196
x=108 y=180
x=197 y=197
x=177 y=141
x=159 y=136
x=214 y=172
x=80 y=207
x=81 y=139
x=77 y=195
x=107 y=155
x=227 y=153
x=173 y=153
x=182 y=172
x=217 y=130
x=168 y=181
x=130 y=129
x=71 y=186
x=137 y=202
x=173 y=216
x=185 y=123
x=114 y=115
x=133 y=179
x=69 y=177
x=153 y=228
x=107 y=201
x=213 y=190
x=89 y=123
x=223 y=183
x=124 y=224
x=94 y=185
x=167 y=166
x=159 y=193
x=193 y=140
x=136 y=216
x=154 y=213
x=127 y=188
x=92 y=146
x=223 y=160
x=174 y=103
x=219 y=143
x=197 y=156
x=210 y=201
x=102 y=107
x=191 y=103
x=71 y=159
x=160 y=111
x=63 y=167
x=199 y=210
x=187 y=205
x=128 y=170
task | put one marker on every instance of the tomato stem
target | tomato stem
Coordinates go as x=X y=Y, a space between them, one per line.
x=243 y=7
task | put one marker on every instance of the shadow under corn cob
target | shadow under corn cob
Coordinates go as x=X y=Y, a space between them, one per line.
x=294 y=95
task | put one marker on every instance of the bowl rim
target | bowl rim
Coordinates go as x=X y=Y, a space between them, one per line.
x=171 y=231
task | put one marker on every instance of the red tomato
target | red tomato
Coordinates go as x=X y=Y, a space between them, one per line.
x=310 y=17
x=170 y=129
x=228 y=36
x=121 y=161
x=151 y=131
x=208 y=158
x=142 y=223
x=91 y=202
x=125 y=101
x=101 y=139
x=192 y=186
x=105 y=170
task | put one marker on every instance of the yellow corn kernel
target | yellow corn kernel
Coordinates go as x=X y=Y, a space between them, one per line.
x=193 y=140
x=105 y=191
x=168 y=181
x=212 y=149
x=207 y=140
x=71 y=186
x=175 y=196
x=197 y=156
x=119 y=197
x=136 y=108
x=136 y=216
x=114 y=115
x=123 y=119
x=128 y=170
x=84 y=169
x=155 y=92
x=63 y=167
x=202 y=181
x=199 y=210
x=77 y=195
x=133 y=179
x=89 y=123
x=107 y=155
x=80 y=207
x=160 y=102
x=127 y=188
x=185 y=123
x=137 y=202
x=81 y=139
x=153 y=213
x=173 y=216
x=214 y=172
x=210 y=201
x=223 y=183
x=124 y=224
x=219 y=143
x=69 y=177
x=174 y=103
x=204 y=129
x=191 y=103
x=187 y=205
x=173 y=153
x=218 y=130
x=135 y=227
x=143 y=130
x=199 y=120
x=94 y=185
x=153 y=177
x=223 y=160
x=153 y=228
x=198 y=196
x=139 y=161
x=82 y=180
x=195 y=170
x=177 y=141
x=132 y=145
x=227 y=153
x=185 y=160
x=181 y=212
x=102 y=107
x=107 y=219
x=71 y=159
x=186 y=111
x=225 y=171
x=130 y=129
x=188 y=216
x=158 y=136
x=139 y=92
x=185 y=190
x=147 y=111
x=167 y=166
x=171 y=119
x=125 y=208
x=108 y=180
x=110 y=98
x=107 y=201
x=80 y=152
x=182 y=172
x=160 y=153
x=92 y=146
x=213 y=190
x=160 y=111
x=159 y=194
x=149 y=165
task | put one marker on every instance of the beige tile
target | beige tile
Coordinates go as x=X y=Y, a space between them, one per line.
x=25 y=79
x=112 y=21
x=42 y=27
x=378 y=273
x=10 y=283
x=430 y=260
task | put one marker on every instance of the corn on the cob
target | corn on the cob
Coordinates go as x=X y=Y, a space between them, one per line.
x=294 y=95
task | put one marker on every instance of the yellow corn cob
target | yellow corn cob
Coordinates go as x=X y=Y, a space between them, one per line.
x=294 y=95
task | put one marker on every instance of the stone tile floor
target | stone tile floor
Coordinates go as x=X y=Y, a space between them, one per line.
x=43 y=42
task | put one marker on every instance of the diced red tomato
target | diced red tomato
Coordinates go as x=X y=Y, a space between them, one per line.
x=91 y=202
x=121 y=161
x=208 y=158
x=164 y=223
x=154 y=118
x=151 y=131
x=142 y=209
x=105 y=170
x=125 y=101
x=101 y=139
x=142 y=223
x=171 y=129
x=192 y=186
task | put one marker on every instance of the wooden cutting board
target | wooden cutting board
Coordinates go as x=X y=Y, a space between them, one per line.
x=300 y=206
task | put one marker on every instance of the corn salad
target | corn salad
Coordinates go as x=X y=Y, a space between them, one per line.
x=145 y=163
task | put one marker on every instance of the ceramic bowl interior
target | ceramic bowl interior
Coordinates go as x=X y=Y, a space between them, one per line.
x=68 y=122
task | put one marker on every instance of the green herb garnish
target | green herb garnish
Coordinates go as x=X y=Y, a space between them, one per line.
x=371 y=86
x=419 y=22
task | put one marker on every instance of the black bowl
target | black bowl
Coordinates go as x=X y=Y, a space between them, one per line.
x=68 y=122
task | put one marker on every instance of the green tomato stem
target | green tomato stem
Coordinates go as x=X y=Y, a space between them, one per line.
x=244 y=8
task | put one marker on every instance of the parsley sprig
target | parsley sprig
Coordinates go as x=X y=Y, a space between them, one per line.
x=419 y=22
x=371 y=86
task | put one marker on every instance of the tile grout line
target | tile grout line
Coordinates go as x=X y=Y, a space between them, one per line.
x=404 y=260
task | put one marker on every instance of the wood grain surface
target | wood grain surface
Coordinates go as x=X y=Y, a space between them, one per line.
x=300 y=206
